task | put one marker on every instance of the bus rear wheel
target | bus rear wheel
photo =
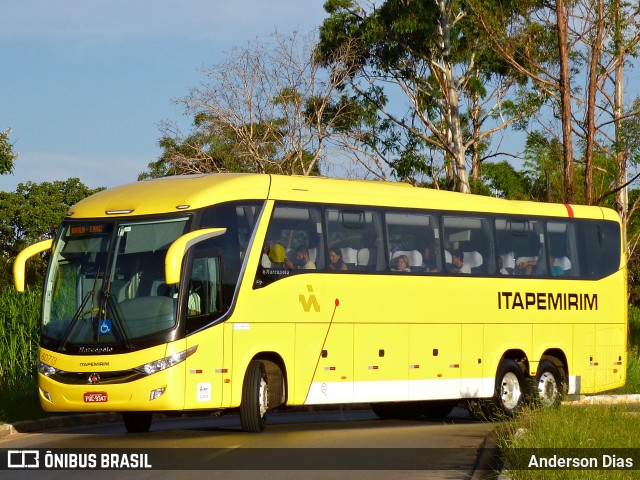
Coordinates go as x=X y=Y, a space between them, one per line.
x=255 y=398
x=550 y=386
x=137 y=422
x=511 y=388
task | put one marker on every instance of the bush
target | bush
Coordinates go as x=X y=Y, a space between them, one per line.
x=19 y=337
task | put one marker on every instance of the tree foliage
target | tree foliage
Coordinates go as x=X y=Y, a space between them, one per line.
x=32 y=213
x=440 y=91
x=575 y=55
x=7 y=155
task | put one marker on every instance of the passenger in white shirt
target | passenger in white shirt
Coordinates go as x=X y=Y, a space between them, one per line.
x=457 y=262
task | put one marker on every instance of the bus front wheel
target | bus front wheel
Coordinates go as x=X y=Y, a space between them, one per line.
x=255 y=398
x=511 y=388
x=137 y=422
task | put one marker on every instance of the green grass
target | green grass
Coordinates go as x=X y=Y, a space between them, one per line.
x=19 y=341
x=20 y=402
x=19 y=315
x=633 y=365
x=576 y=431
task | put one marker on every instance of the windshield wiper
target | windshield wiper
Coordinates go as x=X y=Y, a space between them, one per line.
x=65 y=338
x=112 y=305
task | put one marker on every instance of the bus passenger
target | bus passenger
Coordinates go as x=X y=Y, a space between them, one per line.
x=401 y=264
x=429 y=260
x=193 y=307
x=303 y=260
x=526 y=268
x=457 y=262
x=277 y=255
x=335 y=260
x=265 y=261
x=501 y=267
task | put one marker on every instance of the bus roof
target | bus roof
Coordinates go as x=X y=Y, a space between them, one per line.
x=191 y=192
x=171 y=194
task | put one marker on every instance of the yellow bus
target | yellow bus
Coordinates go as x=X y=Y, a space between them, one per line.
x=248 y=291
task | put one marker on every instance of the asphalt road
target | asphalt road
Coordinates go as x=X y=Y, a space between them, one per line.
x=310 y=445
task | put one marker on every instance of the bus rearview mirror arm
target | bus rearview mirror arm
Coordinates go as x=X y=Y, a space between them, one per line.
x=179 y=248
x=19 y=265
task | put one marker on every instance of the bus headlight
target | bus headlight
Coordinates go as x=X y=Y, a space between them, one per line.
x=166 y=362
x=46 y=370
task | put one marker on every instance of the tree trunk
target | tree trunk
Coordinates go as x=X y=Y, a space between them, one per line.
x=622 y=199
x=596 y=50
x=475 y=122
x=565 y=102
x=453 y=112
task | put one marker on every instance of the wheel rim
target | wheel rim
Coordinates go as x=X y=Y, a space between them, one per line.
x=547 y=388
x=510 y=393
x=263 y=397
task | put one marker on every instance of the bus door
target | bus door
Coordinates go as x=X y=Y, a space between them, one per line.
x=205 y=369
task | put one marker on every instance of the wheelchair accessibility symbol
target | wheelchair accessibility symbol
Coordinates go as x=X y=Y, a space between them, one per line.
x=105 y=326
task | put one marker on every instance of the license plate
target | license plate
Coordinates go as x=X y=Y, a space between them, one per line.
x=95 y=397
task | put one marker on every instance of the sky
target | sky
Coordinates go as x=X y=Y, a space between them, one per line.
x=84 y=84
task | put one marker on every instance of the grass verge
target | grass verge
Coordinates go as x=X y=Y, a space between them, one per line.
x=588 y=433
x=20 y=402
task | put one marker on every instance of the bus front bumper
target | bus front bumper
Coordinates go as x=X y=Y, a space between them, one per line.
x=161 y=391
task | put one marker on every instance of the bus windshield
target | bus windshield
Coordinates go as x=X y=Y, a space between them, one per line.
x=105 y=283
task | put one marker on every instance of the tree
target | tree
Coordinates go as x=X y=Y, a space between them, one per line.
x=427 y=53
x=505 y=181
x=525 y=36
x=269 y=107
x=32 y=213
x=7 y=155
x=574 y=53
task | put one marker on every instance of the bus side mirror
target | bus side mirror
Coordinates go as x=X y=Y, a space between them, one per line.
x=179 y=248
x=21 y=260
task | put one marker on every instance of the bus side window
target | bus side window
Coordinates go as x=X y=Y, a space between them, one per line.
x=294 y=243
x=520 y=247
x=355 y=236
x=599 y=252
x=413 y=234
x=472 y=241
x=205 y=299
x=562 y=258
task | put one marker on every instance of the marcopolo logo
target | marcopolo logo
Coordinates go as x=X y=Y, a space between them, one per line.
x=23 y=459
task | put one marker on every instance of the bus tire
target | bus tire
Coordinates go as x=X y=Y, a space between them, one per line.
x=137 y=422
x=549 y=385
x=255 y=398
x=511 y=389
